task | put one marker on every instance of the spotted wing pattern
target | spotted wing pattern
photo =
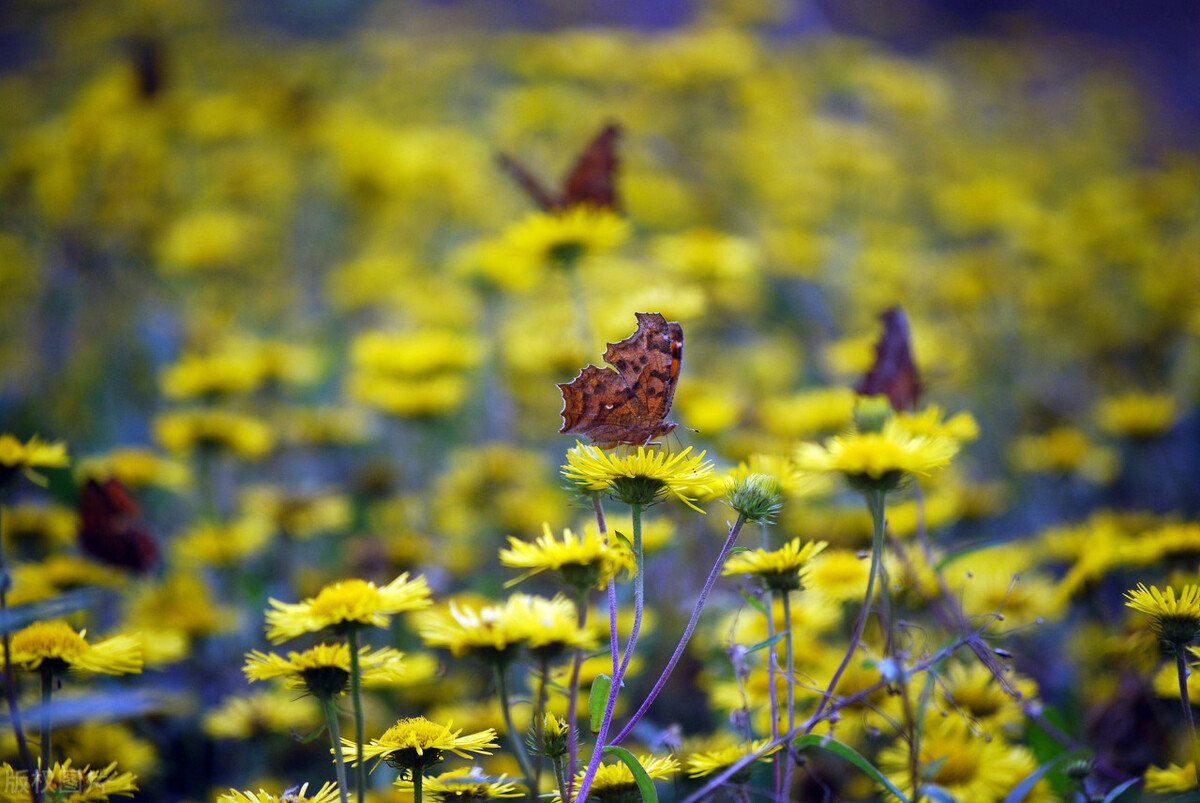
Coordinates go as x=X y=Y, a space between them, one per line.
x=628 y=403
x=591 y=179
x=894 y=373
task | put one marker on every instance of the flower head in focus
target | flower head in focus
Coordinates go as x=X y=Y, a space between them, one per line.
x=642 y=478
x=346 y=604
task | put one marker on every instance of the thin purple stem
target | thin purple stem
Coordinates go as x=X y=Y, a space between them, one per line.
x=687 y=633
x=611 y=588
x=573 y=703
x=639 y=585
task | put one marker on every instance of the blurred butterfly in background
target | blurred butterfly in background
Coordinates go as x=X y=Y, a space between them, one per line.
x=591 y=181
x=110 y=528
x=894 y=373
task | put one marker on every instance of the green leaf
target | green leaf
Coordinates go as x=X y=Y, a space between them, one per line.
x=644 y=784
x=598 y=700
x=849 y=754
x=1116 y=792
x=771 y=642
x=1021 y=790
x=738 y=549
x=754 y=603
x=624 y=540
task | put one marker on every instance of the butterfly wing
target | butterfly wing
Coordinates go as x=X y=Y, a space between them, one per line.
x=108 y=528
x=894 y=373
x=649 y=361
x=600 y=404
x=592 y=178
x=534 y=188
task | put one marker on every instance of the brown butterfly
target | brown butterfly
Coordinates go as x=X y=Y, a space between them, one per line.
x=110 y=529
x=629 y=404
x=894 y=373
x=590 y=181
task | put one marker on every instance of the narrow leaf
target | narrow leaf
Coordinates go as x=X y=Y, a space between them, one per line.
x=1116 y=792
x=754 y=603
x=644 y=784
x=771 y=642
x=1021 y=790
x=849 y=754
x=598 y=700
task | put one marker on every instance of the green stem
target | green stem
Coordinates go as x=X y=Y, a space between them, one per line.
x=1182 y=670
x=335 y=736
x=360 y=775
x=876 y=502
x=418 y=780
x=539 y=718
x=47 y=688
x=559 y=775
x=789 y=764
x=514 y=737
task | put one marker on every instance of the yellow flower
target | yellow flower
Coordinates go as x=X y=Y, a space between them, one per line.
x=300 y=515
x=1174 y=619
x=223 y=543
x=809 y=412
x=494 y=631
x=59 y=646
x=781 y=569
x=965 y=766
x=548 y=239
x=346 y=604
x=66 y=784
x=136 y=468
x=328 y=793
x=1064 y=449
x=206 y=240
x=1137 y=415
x=931 y=422
x=459 y=785
x=872 y=459
x=247 y=716
x=582 y=561
x=37 y=529
x=414 y=743
x=644 y=477
x=34 y=453
x=1174 y=778
x=185 y=430
x=707 y=762
x=324 y=670
x=838 y=574
x=614 y=782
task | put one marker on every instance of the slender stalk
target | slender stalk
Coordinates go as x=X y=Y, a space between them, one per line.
x=539 y=717
x=573 y=704
x=559 y=775
x=418 y=781
x=639 y=589
x=335 y=736
x=611 y=588
x=619 y=675
x=360 y=778
x=47 y=689
x=518 y=750
x=10 y=681
x=1182 y=670
x=772 y=694
x=875 y=501
x=734 y=531
x=789 y=765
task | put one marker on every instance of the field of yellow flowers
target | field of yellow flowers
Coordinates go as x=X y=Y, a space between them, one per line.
x=286 y=510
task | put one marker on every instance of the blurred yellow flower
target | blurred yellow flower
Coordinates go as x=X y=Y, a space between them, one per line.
x=185 y=431
x=1137 y=415
x=324 y=670
x=68 y=784
x=1174 y=778
x=415 y=743
x=581 y=560
x=870 y=458
x=328 y=793
x=458 y=785
x=1067 y=450
x=59 y=646
x=136 y=467
x=706 y=762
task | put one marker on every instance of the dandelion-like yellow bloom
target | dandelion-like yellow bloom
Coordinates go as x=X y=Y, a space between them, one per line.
x=184 y=430
x=494 y=631
x=136 y=468
x=459 y=785
x=35 y=453
x=932 y=422
x=1137 y=415
x=1173 y=618
x=967 y=767
x=780 y=569
x=1174 y=778
x=709 y=761
x=58 y=645
x=324 y=670
x=878 y=459
x=346 y=604
x=67 y=784
x=328 y=793
x=247 y=716
x=414 y=743
x=614 y=782
x=644 y=477
x=548 y=239
x=582 y=560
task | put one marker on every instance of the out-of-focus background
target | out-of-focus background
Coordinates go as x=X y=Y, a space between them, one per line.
x=260 y=261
